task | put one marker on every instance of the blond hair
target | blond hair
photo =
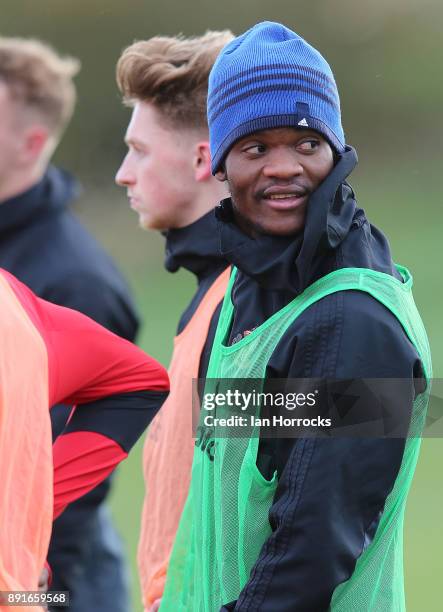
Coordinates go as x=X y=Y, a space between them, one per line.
x=172 y=74
x=39 y=79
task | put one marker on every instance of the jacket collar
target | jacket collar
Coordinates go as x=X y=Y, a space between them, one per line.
x=49 y=196
x=194 y=247
x=283 y=263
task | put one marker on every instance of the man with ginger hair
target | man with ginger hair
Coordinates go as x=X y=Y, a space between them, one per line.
x=46 y=247
x=167 y=173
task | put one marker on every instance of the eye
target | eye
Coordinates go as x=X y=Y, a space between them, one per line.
x=309 y=145
x=255 y=149
x=136 y=148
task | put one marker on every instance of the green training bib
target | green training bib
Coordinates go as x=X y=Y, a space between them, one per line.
x=225 y=520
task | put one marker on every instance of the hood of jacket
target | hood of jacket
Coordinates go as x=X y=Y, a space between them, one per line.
x=51 y=195
x=195 y=247
x=336 y=235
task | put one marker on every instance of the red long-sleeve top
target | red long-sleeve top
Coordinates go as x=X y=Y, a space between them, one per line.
x=115 y=387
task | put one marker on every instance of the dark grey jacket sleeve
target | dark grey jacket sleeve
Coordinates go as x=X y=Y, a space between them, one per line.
x=331 y=492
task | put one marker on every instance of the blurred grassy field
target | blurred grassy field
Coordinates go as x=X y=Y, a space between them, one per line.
x=400 y=197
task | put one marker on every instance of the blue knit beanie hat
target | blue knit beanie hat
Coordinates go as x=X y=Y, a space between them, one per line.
x=270 y=77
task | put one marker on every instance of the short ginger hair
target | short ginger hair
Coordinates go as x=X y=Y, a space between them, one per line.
x=172 y=74
x=39 y=79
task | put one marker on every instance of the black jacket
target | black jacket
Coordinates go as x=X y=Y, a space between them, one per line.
x=196 y=249
x=47 y=248
x=331 y=492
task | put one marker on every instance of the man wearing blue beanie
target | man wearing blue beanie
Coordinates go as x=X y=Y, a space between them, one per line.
x=278 y=520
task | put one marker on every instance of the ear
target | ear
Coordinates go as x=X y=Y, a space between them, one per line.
x=202 y=161
x=35 y=140
x=221 y=174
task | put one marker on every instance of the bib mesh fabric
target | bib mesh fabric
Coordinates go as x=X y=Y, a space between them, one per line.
x=225 y=520
x=26 y=466
x=168 y=451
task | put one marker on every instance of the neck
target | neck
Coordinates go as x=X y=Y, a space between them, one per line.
x=206 y=198
x=19 y=182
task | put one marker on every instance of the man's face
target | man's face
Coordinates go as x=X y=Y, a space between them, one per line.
x=271 y=175
x=157 y=170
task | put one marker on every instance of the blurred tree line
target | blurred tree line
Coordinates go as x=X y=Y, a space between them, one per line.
x=385 y=55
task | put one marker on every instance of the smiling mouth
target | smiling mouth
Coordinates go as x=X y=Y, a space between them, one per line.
x=285 y=201
x=282 y=196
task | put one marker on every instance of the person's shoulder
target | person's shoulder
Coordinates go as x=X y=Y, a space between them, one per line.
x=70 y=250
x=359 y=314
x=374 y=337
x=352 y=322
x=364 y=308
x=347 y=306
x=80 y=285
x=71 y=234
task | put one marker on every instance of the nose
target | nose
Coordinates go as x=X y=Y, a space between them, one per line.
x=124 y=176
x=282 y=163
